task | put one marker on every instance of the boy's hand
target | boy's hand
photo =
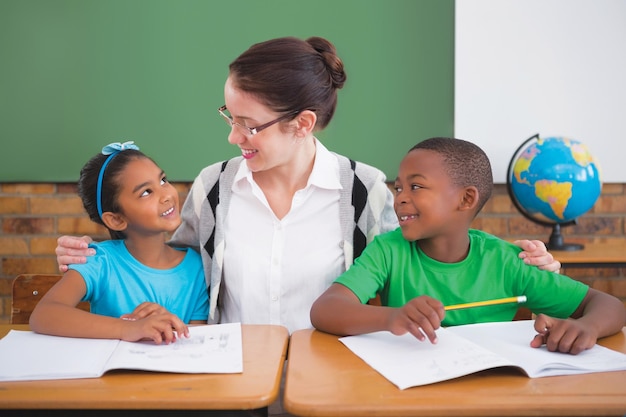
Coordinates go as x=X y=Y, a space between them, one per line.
x=421 y=316
x=160 y=328
x=563 y=335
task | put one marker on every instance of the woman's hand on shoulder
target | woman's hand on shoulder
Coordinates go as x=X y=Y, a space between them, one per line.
x=534 y=252
x=72 y=250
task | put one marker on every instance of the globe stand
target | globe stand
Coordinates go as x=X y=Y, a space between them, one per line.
x=556 y=241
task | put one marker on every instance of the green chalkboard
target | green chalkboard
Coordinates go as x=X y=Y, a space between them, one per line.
x=78 y=74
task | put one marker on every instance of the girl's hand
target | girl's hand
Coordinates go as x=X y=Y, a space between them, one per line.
x=421 y=316
x=563 y=335
x=160 y=328
x=144 y=310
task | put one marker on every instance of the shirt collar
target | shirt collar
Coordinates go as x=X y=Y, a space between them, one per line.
x=325 y=173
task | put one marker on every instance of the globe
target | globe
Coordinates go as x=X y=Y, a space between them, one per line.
x=553 y=181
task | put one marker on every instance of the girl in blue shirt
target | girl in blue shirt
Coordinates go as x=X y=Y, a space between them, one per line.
x=126 y=191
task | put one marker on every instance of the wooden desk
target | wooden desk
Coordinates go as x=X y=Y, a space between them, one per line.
x=594 y=255
x=325 y=378
x=150 y=393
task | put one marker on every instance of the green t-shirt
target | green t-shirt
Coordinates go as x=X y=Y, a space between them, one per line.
x=399 y=271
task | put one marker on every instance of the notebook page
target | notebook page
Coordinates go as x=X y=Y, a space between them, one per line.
x=25 y=355
x=407 y=362
x=512 y=341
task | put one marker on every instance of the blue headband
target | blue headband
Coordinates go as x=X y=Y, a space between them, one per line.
x=111 y=149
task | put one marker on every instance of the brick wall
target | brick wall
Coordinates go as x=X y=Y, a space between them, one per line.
x=605 y=222
x=33 y=216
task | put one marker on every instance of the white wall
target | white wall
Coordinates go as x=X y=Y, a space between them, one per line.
x=552 y=67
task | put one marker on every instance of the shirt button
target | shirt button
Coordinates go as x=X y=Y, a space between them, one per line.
x=274 y=298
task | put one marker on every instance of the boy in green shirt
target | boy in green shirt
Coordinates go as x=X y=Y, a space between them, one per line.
x=434 y=259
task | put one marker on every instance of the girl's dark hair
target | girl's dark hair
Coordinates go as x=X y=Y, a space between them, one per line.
x=290 y=75
x=88 y=182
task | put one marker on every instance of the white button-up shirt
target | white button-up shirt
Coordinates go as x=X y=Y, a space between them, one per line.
x=274 y=269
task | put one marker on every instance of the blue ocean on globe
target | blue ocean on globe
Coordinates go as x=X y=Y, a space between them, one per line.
x=555 y=180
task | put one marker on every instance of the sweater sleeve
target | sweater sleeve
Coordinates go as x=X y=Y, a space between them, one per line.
x=381 y=216
x=188 y=233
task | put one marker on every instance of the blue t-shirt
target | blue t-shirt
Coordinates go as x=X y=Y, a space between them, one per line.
x=117 y=283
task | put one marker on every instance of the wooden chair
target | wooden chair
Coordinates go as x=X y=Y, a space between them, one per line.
x=27 y=291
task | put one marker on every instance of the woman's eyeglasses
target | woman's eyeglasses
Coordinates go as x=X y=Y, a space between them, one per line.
x=250 y=131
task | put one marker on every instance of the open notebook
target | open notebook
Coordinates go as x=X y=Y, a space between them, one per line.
x=463 y=350
x=26 y=355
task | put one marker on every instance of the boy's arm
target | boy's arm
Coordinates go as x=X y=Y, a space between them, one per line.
x=339 y=311
x=597 y=316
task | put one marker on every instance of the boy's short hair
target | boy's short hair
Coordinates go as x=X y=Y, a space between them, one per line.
x=466 y=164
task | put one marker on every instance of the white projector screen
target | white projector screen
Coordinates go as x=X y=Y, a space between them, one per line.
x=547 y=67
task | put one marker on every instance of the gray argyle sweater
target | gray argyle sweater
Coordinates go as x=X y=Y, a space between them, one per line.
x=366 y=210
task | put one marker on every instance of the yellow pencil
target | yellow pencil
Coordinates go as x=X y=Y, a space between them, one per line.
x=518 y=299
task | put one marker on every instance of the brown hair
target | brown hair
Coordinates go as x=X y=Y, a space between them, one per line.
x=290 y=75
